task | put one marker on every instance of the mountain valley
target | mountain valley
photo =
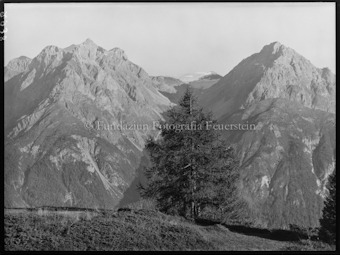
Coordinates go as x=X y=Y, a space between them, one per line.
x=56 y=153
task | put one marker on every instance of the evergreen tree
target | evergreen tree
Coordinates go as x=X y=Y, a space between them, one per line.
x=328 y=221
x=192 y=167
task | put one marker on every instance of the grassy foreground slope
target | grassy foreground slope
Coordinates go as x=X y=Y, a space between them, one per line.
x=125 y=229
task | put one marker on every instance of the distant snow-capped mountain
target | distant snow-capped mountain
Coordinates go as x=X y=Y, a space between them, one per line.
x=189 y=77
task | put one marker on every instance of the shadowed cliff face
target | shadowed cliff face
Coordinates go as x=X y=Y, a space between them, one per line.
x=59 y=147
x=286 y=161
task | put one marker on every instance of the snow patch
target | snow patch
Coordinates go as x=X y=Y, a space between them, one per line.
x=35 y=150
x=30 y=149
x=310 y=144
x=265 y=181
x=26 y=148
x=68 y=197
x=275 y=129
x=62 y=156
x=308 y=119
x=329 y=170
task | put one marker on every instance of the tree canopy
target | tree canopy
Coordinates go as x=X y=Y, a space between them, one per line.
x=192 y=168
x=328 y=221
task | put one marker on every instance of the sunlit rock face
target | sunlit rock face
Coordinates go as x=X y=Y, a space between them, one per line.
x=64 y=140
x=286 y=159
x=16 y=66
x=275 y=72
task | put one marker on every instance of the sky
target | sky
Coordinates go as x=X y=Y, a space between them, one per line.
x=172 y=39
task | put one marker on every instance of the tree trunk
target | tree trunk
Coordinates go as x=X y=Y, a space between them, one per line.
x=193 y=178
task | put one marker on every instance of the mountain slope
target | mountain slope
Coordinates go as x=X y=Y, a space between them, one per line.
x=62 y=115
x=174 y=88
x=288 y=153
x=63 y=146
x=285 y=161
x=166 y=84
x=206 y=81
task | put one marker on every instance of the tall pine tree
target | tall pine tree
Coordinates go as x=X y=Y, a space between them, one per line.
x=192 y=167
x=328 y=221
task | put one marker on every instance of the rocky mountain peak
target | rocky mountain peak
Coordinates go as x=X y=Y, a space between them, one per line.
x=277 y=46
x=48 y=51
x=70 y=48
x=275 y=72
x=287 y=158
x=19 y=64
x=54 y=108
x=119 y=53
x=328 y=75
x=275 y=53
x=88 y=41
x=87 y=50
x=16 y=66
x=274 y=48
x=23 y=58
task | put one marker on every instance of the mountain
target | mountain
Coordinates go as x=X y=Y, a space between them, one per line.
x=170 y=87
x=287 y=145
x=166 y=84
x=275 y=72
x=65 y=139
x=174 y=88
x=285 y=161
x=65 y=146
x=189 y=77
x=206 y=81
x=211 y=76
x=16 y=66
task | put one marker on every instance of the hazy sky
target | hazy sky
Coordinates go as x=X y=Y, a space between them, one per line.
x=175 y=38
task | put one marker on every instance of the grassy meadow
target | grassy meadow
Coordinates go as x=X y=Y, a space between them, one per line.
x=135 y=229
